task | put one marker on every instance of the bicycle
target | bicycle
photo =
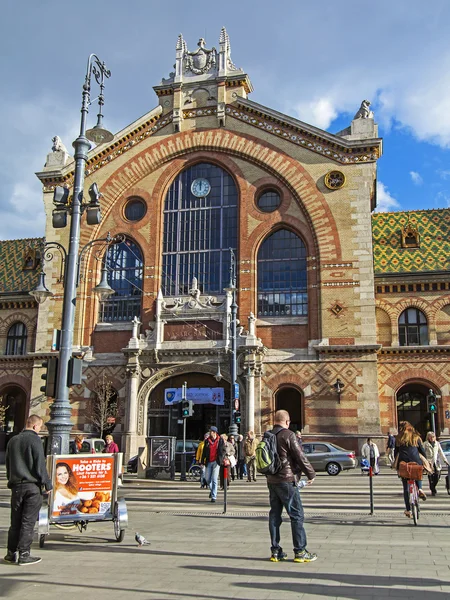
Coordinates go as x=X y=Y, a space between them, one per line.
x=412 y=472
x=414 y=504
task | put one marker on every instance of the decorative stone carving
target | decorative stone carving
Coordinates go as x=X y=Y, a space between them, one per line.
x=58 y=146
x=410 y=236
x=202 y=60
x=58 y=157
x=364 y=112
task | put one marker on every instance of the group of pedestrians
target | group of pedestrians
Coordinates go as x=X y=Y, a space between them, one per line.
x=230 y=455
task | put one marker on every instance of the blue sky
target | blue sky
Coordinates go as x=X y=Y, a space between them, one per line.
x=315 y=61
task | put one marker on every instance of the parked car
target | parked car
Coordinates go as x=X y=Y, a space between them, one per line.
x=445 y=445
x=89 y=446
x=329 y=457
x=191 y=449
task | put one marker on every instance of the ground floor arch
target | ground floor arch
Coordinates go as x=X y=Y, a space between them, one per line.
x=290 y=399
x=412 y=406
x=166 y=420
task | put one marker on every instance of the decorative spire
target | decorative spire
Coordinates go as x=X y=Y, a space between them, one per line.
x=180 y=42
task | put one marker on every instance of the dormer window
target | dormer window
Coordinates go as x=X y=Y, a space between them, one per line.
x=410 y=237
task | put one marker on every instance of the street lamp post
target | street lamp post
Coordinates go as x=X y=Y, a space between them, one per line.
x=234 y=397
x=60 y=411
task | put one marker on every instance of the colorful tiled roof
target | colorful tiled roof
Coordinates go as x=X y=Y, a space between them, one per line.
x=433 y=253
x=13 y=277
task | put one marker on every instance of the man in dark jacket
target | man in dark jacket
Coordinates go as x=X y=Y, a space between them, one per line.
x=27 y=475
x=283 y=491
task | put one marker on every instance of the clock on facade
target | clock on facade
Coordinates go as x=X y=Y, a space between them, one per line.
x=200 y=187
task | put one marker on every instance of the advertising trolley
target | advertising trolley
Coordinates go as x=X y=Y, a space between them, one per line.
x=85 y=490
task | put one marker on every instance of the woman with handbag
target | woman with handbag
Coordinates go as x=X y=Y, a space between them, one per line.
x=408 y=449
x=436 y=458
x=226 y=451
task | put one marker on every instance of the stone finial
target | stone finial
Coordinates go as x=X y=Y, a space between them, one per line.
x=364 y=112
x=180 y=42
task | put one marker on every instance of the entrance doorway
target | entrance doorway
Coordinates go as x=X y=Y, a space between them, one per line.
x=290 y=399
x=412 y=407
x=166 y=420
x=15 y=399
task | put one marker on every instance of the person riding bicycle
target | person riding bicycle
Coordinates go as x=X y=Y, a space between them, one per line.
x=409 y=448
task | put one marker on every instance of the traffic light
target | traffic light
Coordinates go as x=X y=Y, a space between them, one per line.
x=75 y=375
x=51 y=370
x=93 y=211
x=187 y=408
x=237 y=416
x=432 y=405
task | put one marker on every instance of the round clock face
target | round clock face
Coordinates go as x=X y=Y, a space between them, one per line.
x=200 y=187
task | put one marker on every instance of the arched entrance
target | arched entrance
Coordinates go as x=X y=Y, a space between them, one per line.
x=290 y=399
x=412 y=407
x=15 y=399
x=166 y=420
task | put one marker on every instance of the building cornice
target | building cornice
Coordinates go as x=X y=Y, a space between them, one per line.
x=307 y=136
x=416 y=350
x=348 y=349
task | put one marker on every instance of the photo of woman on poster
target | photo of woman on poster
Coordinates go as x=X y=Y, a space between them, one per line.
x=65 y=500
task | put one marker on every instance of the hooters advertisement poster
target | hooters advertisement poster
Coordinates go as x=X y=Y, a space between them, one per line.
x=82 y=486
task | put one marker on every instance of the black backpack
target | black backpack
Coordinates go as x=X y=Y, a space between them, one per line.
x=268 y=461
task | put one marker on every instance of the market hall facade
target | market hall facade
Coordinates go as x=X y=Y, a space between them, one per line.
x=344 y=313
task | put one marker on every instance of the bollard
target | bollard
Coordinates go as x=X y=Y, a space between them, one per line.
x=225 y=488
x=183 y=467
x=371 y=489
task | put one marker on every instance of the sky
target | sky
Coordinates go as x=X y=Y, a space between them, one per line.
x=315 y=61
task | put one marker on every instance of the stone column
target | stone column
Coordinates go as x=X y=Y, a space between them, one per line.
x=250 y=416
x=129 y=438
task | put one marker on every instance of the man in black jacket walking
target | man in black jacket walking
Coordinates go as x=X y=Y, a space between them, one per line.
x=27 y=476
x=283 y=491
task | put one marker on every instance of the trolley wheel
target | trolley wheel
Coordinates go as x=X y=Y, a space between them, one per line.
x=119 y=533
x=195 y=473
x=415 y=513
x=42 y=540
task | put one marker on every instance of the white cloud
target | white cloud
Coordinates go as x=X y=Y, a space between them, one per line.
x=320 y=112
x=444 y=174
x=416 y=178
x=385 y=202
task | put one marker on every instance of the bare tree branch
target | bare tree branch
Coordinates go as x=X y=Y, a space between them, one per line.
x=103 y=406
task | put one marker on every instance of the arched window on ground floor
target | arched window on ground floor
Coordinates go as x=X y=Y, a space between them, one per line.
x=290 y=399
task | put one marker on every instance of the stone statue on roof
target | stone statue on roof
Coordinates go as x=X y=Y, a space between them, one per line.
x=58 y=146
x=364 y=112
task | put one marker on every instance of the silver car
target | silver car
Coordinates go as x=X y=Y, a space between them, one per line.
x=329 y=457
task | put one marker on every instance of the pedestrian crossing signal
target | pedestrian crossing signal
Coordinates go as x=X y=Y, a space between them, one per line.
x=51 y=369
x=187 y=408
x=432 y=407
x=237 y=417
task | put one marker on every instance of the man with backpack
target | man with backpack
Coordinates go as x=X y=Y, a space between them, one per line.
x=281 y=459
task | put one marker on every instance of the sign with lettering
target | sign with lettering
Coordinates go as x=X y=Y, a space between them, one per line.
x=204 y=395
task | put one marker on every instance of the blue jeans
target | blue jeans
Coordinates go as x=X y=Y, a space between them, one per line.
x=211 y=475
x=287 y=495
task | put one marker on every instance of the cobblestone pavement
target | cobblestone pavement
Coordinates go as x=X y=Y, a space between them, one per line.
x=201 y=553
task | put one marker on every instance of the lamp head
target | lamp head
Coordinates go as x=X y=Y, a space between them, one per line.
x=103 y=290
x=41 y=293
x=98 y=134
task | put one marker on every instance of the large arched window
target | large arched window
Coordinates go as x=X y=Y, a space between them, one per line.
x=124 y=267
x=16 y=341
x=282 y=289
x=412 y=328
x=200 y=227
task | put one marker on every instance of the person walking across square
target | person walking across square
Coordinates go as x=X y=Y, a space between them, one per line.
x=27 y=476
x=250 y=444
x=211 y=460
x=284 y=492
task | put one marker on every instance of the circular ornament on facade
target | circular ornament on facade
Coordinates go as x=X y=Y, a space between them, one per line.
x=334 y=180
x=135 y=209
x=200 y=187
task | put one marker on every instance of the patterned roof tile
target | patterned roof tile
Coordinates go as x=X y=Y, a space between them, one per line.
x=434 y=252
x=13 y=277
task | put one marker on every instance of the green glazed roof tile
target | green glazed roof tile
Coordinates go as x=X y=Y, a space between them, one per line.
x=13 y=277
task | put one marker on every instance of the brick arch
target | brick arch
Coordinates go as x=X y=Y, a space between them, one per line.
x=24 y=383
x=438 y=304
x=277 y=382
x=246 y=147
x=414 y=303
x=415 y=375
x=389 y=309
x=9 y=321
